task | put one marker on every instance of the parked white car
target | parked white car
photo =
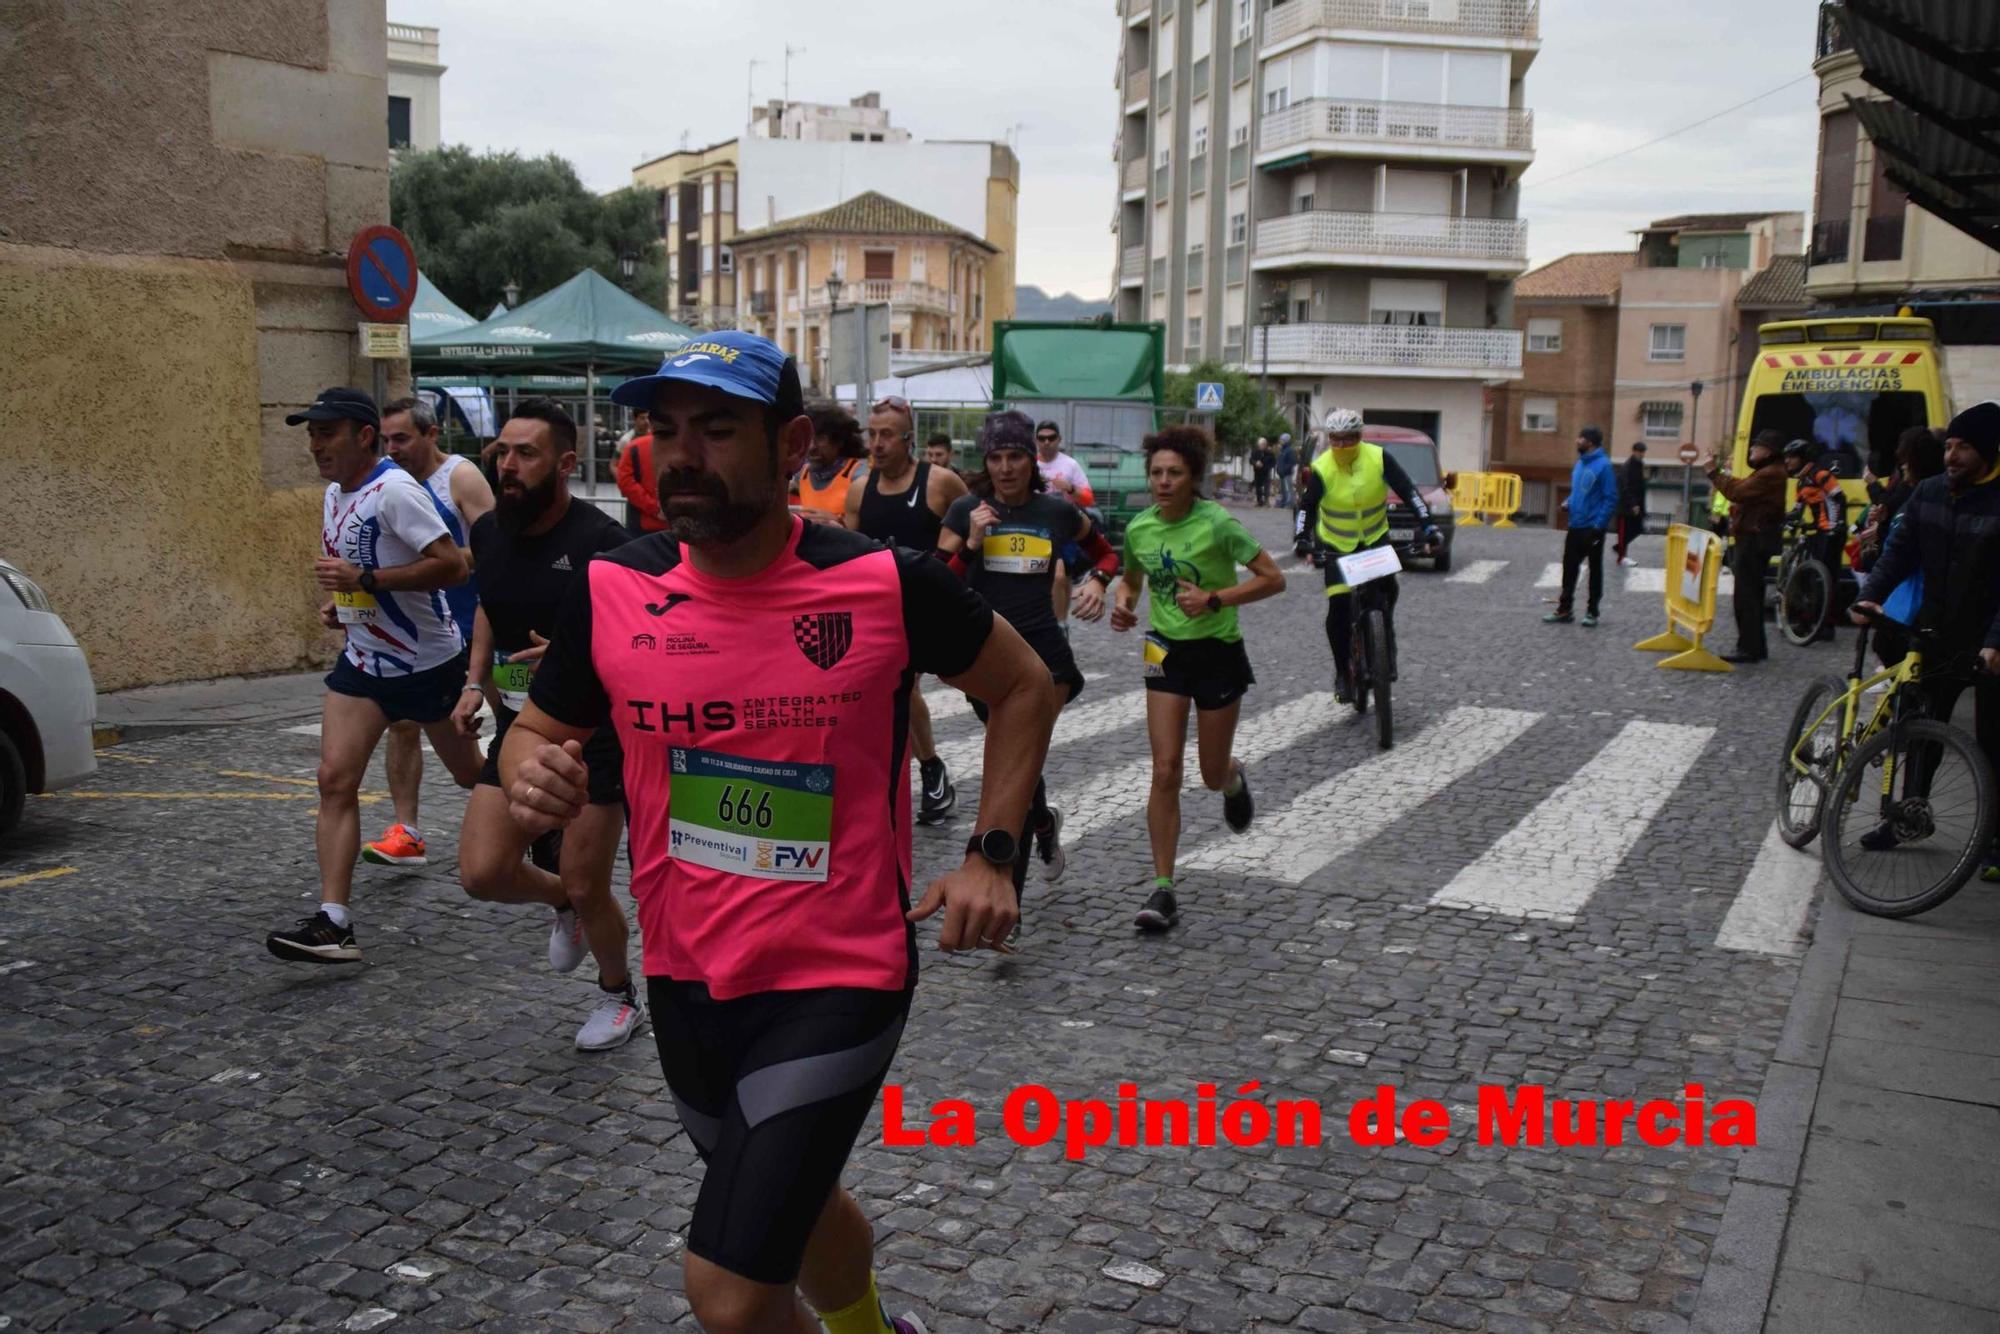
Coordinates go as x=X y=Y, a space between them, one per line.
x=48 y=703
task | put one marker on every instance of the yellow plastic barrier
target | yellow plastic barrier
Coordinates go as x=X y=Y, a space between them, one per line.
x=1467 y=489
x=1500 y=496
x=1694 y=565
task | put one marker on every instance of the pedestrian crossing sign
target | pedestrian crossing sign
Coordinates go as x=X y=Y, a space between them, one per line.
x=1208 y=397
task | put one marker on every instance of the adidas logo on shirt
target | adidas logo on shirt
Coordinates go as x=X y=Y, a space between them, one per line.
x=562 y=562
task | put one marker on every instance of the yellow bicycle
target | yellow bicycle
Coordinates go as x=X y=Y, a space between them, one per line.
x=1902 y=802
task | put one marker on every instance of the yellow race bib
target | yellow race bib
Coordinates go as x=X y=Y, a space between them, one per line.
x=1018 y=552
x=357 y=608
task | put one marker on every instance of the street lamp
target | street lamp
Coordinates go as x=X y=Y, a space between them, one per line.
x=1687 y=472
x=835 y=285
x=1266 y=312
x=511 y=294
x=628 y=264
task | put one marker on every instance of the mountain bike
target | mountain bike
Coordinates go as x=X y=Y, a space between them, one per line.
x=1807 y=587
x=1902 y=802
x=1371 y=659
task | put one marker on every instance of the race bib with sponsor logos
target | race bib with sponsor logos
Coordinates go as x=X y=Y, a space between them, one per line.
x=769 y=819
x=357 y=608
x=1018 y=551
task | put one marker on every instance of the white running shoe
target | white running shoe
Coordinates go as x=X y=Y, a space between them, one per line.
x=612 y=1023
x=1628 y=562
x=1048 y=846
x=566 y=944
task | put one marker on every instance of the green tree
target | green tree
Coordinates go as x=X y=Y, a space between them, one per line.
x=479 y=220
x=1243 y=417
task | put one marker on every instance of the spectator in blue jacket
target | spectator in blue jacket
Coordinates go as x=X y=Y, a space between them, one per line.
x=1593 y=507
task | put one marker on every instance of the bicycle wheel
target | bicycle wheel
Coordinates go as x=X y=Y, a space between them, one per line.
x=1805 y=600
x=1377 y=630
x=1358 y=661
x=1800 y=794
x=1921 y=796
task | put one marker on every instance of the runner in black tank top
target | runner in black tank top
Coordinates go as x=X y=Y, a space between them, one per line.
x=905 y=520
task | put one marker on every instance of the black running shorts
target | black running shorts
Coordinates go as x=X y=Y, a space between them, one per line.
x=1211 y=672
x=602 y=755
x=772 y=1089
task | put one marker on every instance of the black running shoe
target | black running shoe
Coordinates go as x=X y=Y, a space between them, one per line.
x=1342 y=692
x=1160 y=912
x=545 y=852
x=1881 y=838
x=315 y=940
x=939 y=796
x=1237 y=808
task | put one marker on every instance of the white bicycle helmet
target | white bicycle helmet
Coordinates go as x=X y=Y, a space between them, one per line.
x=1343 y=421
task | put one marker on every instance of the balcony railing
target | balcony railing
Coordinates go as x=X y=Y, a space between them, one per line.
x=1518 y=20
x=1132 y=265
x=1138 y=86
x=1135 y=174
x=1397 y=235
x=1883 y=238
x=763 y=303
x=1417 y=124
x=874 y=291
x=1832 y=34
x=1398 y=346
x=1829 y=241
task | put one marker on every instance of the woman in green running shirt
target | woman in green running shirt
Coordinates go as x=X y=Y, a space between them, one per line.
x=1186 y=549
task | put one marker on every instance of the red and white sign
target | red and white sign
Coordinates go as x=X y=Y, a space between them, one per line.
x=1689 y=453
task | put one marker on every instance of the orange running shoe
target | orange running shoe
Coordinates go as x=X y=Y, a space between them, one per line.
x=398 y=846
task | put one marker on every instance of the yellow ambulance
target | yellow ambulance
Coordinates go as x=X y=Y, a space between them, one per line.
x=1852 y=385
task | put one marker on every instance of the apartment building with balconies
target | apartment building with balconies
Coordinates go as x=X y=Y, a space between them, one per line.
x=1327 y=192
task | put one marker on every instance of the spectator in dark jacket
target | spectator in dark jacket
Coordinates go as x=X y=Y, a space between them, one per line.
x=1756 y=520
x=1288 y=463
x=1919 y=454
x=1949 y=531
x=1631 y=501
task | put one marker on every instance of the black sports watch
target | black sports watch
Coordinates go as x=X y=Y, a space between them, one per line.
x=1215 y=602
x=367 y=582
x=1103 y=577
x=995 y=845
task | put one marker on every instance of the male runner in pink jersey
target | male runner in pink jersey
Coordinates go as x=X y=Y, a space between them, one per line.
x=757 y=669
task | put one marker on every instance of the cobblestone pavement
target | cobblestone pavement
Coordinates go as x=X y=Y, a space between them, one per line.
x=195 y=1136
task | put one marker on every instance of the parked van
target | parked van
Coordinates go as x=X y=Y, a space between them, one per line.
x=1851 y=385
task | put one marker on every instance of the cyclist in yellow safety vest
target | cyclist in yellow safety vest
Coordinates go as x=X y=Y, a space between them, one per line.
x=1344 y=509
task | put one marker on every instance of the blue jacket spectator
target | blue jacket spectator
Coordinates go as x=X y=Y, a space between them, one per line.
x=1593 y=491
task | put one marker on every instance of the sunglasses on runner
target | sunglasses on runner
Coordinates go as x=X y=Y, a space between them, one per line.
x=1047 y=438
x=894 y=404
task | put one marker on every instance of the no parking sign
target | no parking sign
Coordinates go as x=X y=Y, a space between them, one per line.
x=382 y=273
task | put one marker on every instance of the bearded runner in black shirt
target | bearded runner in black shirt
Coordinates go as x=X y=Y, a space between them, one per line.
x=536 y=542
x=1007 y=549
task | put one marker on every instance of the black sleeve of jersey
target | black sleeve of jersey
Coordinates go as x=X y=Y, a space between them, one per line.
x=1310 y=495
x=959 y=517
x=1399 y=482
x=481 y=537
x=566 y=686
x=945 y=622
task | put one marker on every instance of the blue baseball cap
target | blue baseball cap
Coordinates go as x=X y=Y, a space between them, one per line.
x=740 y=364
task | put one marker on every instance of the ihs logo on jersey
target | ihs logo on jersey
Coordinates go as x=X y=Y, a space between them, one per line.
x=824 y=636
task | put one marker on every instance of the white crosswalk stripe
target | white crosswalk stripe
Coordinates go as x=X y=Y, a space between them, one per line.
x=1293 y=843
x=1119 y=793
x=1551 y=576
x=1554 y=860
x=1768 y=915
x=1078 y=722
x=1479 y=572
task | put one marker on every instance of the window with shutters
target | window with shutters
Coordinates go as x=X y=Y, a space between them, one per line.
x=1668 y=342
x=1545 y=335
x=1538 y=414
x=878 y=265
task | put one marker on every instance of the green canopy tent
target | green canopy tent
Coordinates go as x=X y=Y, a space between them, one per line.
x=586 y=327
x=434 y=313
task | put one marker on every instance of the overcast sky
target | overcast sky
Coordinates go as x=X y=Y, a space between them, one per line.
x=611 y=83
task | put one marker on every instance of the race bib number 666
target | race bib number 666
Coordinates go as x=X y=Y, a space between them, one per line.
x=769 y=819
